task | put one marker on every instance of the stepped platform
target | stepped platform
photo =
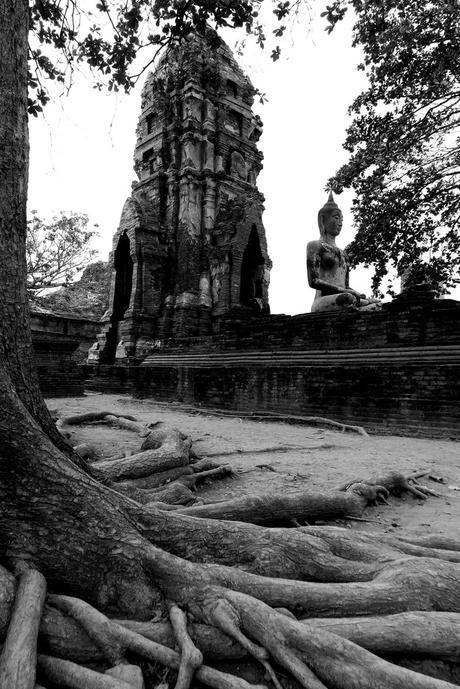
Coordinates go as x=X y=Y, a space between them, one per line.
x=448 y=354
x=396 y=371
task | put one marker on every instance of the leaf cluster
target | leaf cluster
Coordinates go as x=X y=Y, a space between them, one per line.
x=109 y=35
x=88 y=296
x=57 y=250
x=404 y=139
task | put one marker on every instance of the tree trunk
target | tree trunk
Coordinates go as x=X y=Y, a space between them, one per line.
x=16 y=351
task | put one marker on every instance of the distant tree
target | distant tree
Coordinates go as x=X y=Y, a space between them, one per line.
x=88 y=296
x=56 y=250
x=404 y=141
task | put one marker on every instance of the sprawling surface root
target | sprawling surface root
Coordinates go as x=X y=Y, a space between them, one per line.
x=419 y=634
x=274 y=508
x=350 y=500
x=318 y=658
x=191 y=658
x=394 y=482
x=128 y=559
x=318 y=653
x=164 y=448
x=174 y=493
x=164 y=471
x=19 y=654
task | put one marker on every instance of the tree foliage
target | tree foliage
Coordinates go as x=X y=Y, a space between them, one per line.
x=88 y=296
x=404 y=140
x=109 y=35
x=56 y=250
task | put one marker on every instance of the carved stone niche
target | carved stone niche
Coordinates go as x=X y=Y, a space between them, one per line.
x=234 y=122
x=238 y=166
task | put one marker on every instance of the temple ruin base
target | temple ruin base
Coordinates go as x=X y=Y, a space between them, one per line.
x=396 y=371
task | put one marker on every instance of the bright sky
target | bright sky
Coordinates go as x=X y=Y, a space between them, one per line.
x=82 y=151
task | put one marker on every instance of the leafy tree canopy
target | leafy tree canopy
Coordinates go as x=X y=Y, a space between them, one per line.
x=404 y=140
x=88 y=296
x=56 y=250
x=108 y=35
x=404 y=137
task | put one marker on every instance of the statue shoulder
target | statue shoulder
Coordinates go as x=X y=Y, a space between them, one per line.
x=314 y=246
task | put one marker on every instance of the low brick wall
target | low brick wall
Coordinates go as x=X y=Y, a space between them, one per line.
x=398 y=324
x=58 y=373
x=60 y=344
x=397 y=371
x=83 y=330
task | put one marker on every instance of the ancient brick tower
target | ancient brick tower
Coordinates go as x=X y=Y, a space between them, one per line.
x=191 y=244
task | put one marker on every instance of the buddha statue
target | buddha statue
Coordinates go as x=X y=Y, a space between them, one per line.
x=328 y=268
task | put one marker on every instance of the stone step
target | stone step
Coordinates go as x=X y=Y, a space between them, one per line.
x=446 y=354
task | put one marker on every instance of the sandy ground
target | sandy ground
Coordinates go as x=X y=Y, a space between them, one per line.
x=303 y=457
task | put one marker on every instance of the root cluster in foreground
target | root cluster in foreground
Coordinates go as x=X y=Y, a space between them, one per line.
x=315 y=606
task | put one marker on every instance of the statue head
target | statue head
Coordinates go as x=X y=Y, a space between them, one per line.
x=330 y=217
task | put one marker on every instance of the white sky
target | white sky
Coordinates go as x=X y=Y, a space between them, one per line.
x=82 y=151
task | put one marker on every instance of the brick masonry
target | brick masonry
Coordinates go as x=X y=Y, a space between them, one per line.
x=395 y=371
x=60 y=344
x=191 y=243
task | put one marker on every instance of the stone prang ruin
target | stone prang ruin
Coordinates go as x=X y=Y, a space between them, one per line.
x=191 y=245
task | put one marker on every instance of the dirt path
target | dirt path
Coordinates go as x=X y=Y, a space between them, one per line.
x=274 y=457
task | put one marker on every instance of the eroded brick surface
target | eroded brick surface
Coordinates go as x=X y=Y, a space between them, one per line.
x=191 y=244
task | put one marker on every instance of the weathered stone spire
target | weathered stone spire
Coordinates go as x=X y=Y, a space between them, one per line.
x=191 y=244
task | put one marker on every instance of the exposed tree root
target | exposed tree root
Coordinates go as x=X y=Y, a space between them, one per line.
x=85 y=451
x=165 y=457
x=275 y=508
x=204 y=464
x=101 y=628
x=191 y=480
x=175 y=493
x=154 y=480
x=69 y=675
x=433 y=541
x=320 y=659
x=270 y=416
x=89 y=417
x=213 y=643
x=19 y=655
x=128 y=424
x=119 y=420
x=418 y=634
x=395 y=483
x=362 y=545
x=348 y=501
x=261 y=451
x=102 y=639
x=190 y=657
x=125 y=558
x=422 y=634
x=145 y=463
x=97 y=626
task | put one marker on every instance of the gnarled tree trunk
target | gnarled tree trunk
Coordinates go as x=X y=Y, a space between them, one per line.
x=16 y=351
